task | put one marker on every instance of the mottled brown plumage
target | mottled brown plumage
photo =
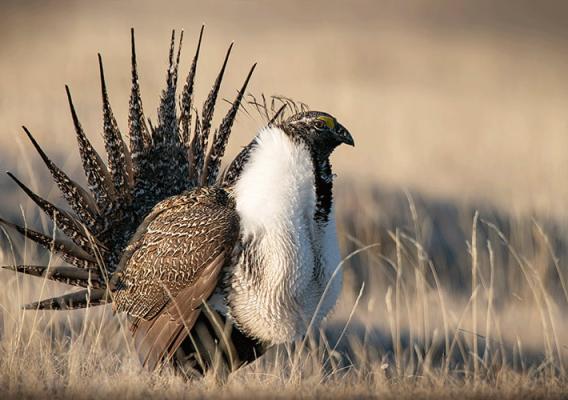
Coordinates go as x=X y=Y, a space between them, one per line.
x=172 y=265
x=172 y=246
x=143 y=213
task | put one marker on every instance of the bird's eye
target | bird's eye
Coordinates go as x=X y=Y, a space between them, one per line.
x=324 y=121
x=320 y=124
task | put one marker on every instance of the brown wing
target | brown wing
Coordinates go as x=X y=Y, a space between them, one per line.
x=172 y=265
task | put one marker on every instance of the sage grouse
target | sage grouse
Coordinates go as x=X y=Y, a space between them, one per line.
x=197 y=259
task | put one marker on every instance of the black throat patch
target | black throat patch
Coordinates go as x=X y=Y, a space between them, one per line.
x=324 y=189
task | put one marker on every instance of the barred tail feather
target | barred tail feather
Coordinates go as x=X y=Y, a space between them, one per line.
x=137 y=129
x=98 y=177
x=187 y=95
x=67 y=223
x=64 y=274
x=80 y=201
x=206 y=118
x=166 y=134
x=170 y=166
x=72 y=301
x=196 y=152
x=68 y=252
x=221 y=137
x=119 y=161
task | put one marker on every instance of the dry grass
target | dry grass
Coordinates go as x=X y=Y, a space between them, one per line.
x=408 y=324
x=464 y=104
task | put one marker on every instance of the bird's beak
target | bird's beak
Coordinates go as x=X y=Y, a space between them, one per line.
x=343 y=135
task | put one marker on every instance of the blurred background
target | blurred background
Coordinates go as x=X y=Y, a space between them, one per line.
x=454 y=105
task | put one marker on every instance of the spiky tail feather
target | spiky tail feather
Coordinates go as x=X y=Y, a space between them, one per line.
x=160 y=162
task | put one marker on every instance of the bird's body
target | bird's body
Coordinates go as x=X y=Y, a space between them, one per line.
x=287 y=258
x=253 y=249
x=199 y=261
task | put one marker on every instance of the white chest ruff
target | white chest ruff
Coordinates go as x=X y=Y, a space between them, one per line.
x=276 y=287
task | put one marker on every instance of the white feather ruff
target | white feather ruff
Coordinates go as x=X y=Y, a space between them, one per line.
x=276 y=202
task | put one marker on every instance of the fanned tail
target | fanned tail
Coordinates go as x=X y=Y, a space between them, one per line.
x=157 y=163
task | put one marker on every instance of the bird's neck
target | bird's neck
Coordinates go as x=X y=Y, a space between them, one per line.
x=276 y=187
x=324 y=189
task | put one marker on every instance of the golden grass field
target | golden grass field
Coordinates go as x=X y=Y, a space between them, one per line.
x=451 y=208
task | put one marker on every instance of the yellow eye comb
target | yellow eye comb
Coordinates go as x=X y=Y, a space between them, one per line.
x=330 y=122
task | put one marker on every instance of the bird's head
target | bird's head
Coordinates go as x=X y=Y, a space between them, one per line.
x=320 y=131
